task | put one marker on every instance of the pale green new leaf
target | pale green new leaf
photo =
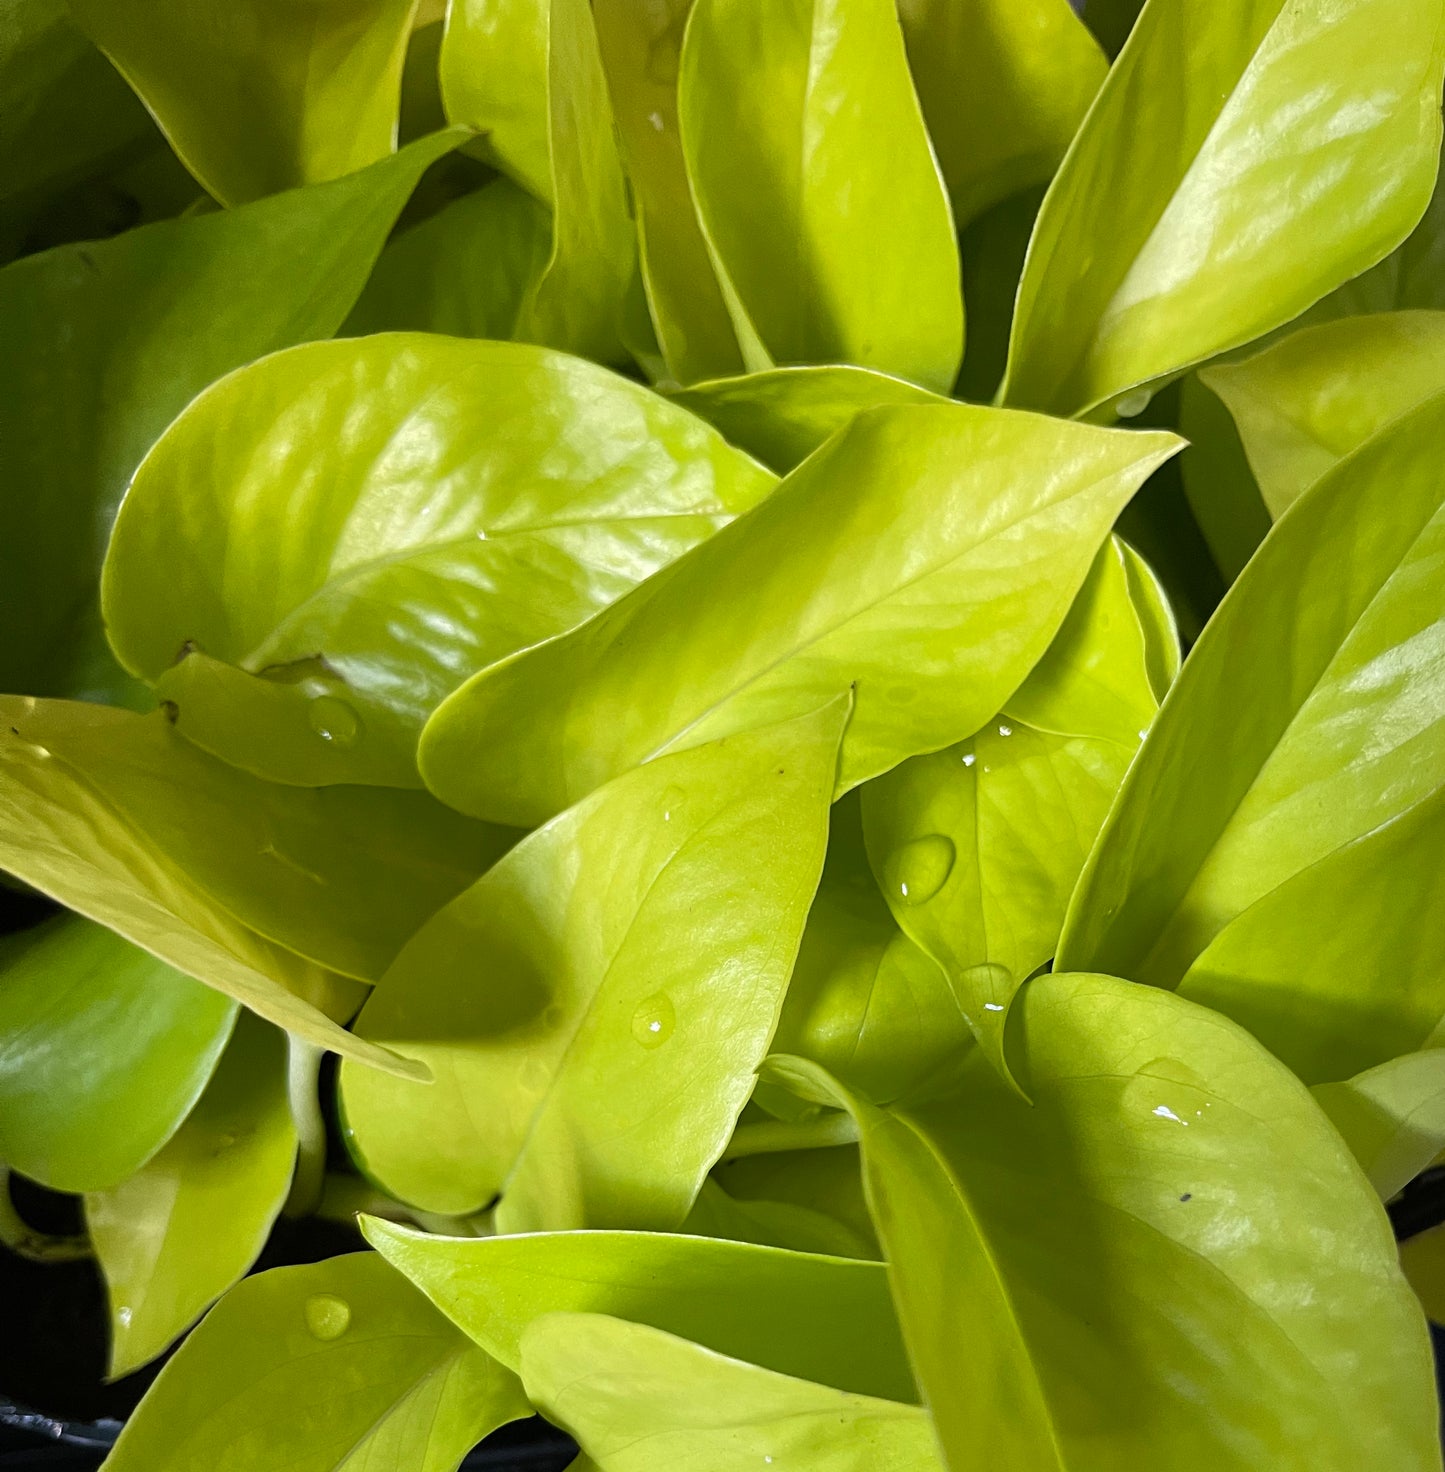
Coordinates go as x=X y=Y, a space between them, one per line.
x=1309 y=715
x=447 y=502
x=782 y=415
x=1168 y=1258
x=641 y=52
x=826 y=1319
x=69 y=839
x=337 y=1366
x=258 y=96
x=1392 y=1117
x=639 y=1400
x=103 y=1051
x=1304 y=403
x=926 y=556
x=597 y=1075
x=864 y=1000
x=1342 y=966
x=1240 y=162
x=817 y=188
x=107 y=342
x=464 y=271
x=343 y=876
x=528 y=76
x=977 y=847
x=1004 y=85
x=173 y=1237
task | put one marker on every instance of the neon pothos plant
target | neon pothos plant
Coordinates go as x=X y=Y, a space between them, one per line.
x=561 y=614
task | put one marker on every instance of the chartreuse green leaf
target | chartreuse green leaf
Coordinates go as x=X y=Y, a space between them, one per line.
x=1308 y=716
x=343 y=876
x=1222 y=492
x=641 y=53
x=174 y=1236
x=1004 y=86
x=450 y=502
x=926 y=555
x=261 y=95
x=1169 y=1258
x=598 y=1075
x=331 y=1367
x=1305 y=402
x=528 y=76
x=637 y=1399
x=1391 y=1116
x=103 y=1051
x=818 y=192
x=826 y=1319
x=825 y=1180
x=1423 y=1259
x=72 y=840
x=782 y=415
x=776 y=1223
x=864 y=1000
x=463 y=271
x=1237 y=166
x=1334 y=997
x=108 y=341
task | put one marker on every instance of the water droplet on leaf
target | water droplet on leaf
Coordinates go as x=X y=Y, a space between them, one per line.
x=1133 y=404
x=327 y=1316
x=334 y=721
x=652 y=1023
x=918 y=870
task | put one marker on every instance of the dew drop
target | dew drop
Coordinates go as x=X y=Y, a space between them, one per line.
x=1005 y=730
x=1133 y=404
x=1165 y=1112
x=918 y=870
x=334 y=721
x=652 y=1023
x=123 y=1315
x=969 y=758
x=327 y=1316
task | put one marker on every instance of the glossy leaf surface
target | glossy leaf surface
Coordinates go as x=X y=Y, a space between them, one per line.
x=1337 y=998
x=1004 y=86
x=330 y=1367
x=1238 y=165
x=68 y=839
x=528 y=76
x=464 y=271
x=343 y=876
x=1222 y=1291
x=450 y=502
x=827 y=1319
x=864 y=1000
x=1309 y=715
x=103 y=1051
x=597 y=1076
x=1304 y=403
x=637 y=1399
x=782 y=415
x=258 y=96
x=641 y=52
x=108 y=341
x=818 y=192
x=977 y=847
x=173 y=1237
x=1392 y=1117
x=925 y=556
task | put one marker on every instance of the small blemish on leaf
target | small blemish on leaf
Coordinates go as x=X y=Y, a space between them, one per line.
x=172 y=711
x=1187 y=1196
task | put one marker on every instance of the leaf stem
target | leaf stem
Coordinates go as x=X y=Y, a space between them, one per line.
x=21 y=1238
x=834 y=1128
x=303 y=1075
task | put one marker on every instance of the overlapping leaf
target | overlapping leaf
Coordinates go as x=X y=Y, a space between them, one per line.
x=103 y=1051
x=174 y=1236
x=322 y=1368
x=926 y=556
x=818 y=192
x=597 y=1075
x=1168 y=1256
x=1237 y=166
x=449 y=502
